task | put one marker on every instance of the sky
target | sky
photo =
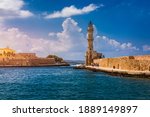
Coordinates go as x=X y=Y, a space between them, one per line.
x=121 y=27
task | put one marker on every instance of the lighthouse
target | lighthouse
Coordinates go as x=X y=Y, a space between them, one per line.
x=90 y=39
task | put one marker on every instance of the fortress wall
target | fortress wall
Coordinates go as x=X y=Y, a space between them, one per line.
x=1 y=58
x=131 y=65
x=14 y=62
x=124 y=63
x=42 y=61
x=20 y=56
x=8 y=57
x=27 y=62
x=18 y=62
x=101 y=62
x=26 y=55
x=145 y=57
x=145 y=65
x=108 y=62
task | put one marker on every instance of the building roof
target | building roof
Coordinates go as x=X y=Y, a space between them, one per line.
x=90 y=23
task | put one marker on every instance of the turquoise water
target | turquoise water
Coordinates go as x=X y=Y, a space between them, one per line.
x=39 y=83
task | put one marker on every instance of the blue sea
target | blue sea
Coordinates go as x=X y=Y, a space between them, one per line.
x=66 y=83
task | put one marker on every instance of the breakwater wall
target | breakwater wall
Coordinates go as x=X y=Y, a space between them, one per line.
x=117 y=72
x=135 y=63
x=28 y=62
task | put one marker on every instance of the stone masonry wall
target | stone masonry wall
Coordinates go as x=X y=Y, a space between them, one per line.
x=42 y=61
x=124 y=63
x=145 y=57
x=26 y=55
x=27 y=62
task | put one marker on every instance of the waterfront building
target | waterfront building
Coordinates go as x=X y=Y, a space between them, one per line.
x=7 y=52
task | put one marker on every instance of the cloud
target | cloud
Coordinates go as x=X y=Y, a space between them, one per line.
x=115 y=45
x=72 y=10
x=10 y=9
x=69 y=42
x=71 y=37
x=146 y=48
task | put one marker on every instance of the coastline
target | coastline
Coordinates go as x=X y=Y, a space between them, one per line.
x=117 y=72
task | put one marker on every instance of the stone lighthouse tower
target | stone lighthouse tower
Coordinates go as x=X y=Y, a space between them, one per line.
x=89 y=52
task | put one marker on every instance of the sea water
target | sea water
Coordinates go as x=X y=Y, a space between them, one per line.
x=66 y=83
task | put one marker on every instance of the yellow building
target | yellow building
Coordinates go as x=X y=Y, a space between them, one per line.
x=7 y=52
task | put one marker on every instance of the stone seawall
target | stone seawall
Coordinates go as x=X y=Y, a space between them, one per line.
x=28 y=62
x=145 y=57
x=123 y=63
x=117 y=72
x=41 y=61
x=9 y=58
